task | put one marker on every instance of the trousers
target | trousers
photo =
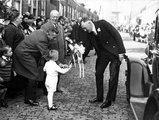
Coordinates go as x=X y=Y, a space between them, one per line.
x=103 y=59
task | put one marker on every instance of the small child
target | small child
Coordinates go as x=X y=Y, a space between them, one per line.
x=2 y=43
x=5 y=62
x=5 y=71
x=52 y=69
x=3 y=90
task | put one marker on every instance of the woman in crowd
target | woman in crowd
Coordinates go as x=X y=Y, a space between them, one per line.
x=13 y=35
x=28 y=23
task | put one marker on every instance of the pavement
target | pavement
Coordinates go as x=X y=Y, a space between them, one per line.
x=73 y=102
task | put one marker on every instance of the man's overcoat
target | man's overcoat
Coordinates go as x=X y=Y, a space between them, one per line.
x=28 y=53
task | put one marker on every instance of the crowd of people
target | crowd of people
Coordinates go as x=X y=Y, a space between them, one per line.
x=33 y=51
x=143 y=33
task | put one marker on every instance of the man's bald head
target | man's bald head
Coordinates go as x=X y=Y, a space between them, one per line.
x=54 y=15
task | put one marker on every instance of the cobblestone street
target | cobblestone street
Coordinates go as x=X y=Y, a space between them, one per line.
x=73 y=102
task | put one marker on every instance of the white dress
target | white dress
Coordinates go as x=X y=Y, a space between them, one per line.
x=52 y=70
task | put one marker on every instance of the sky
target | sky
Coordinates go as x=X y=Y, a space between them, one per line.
x=96 y=5
x=92 y=4
x=105 y=7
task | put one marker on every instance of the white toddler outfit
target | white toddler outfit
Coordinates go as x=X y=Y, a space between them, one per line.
x=52 y=69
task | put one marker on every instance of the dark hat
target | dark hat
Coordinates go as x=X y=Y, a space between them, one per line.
x=25 y=16
x=38 y=19
x=28 y=15
x=31 y=16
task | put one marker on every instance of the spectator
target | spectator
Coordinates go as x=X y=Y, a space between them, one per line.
x=27 y=23
x=59 y=43
x=3 y=90
x=39 y=23
x=13 y=35
x=61 y=20
x=2 y=43
x=75 y=30
x=5 y=70
x=83 y=38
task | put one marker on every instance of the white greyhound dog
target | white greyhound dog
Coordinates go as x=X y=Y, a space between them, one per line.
x=77 y=55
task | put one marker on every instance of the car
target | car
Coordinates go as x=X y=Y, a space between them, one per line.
x=142 y=82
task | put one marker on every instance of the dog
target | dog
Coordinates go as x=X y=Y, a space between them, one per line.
x=77 y=55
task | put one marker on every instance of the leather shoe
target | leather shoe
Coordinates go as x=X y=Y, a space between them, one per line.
x=31 y=102
x=53 y=107
x=59 y=91
x=95 y=100
x=106 y=104
x=4 y=104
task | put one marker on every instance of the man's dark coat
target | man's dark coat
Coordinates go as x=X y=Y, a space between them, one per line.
x=109 y=38
x=28 y=53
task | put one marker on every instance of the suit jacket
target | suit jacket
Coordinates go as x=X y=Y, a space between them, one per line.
x=83 y=36
x=109 y=38
x=75 y=32
x=13 y=35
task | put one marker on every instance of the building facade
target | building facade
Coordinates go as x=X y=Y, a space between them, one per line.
x=67 y=8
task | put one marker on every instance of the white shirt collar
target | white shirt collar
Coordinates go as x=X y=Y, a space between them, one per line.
x=15 y=24
x=94 y=29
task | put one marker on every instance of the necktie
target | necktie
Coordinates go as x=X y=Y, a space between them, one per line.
x=55 y=25
x=56 y=28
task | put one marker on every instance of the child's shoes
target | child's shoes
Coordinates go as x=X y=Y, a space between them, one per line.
x=53 y=107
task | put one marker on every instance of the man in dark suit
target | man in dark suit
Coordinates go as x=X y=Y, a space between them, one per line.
x=110 y=49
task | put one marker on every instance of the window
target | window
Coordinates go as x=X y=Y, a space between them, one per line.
x=29 y=6
x=42 y=7
x=29 y=2
x=61 y=9
x=34 y=3
x=34 y=11
x=64 y=11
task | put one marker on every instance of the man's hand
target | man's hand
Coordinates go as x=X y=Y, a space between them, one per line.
x=63 y=65
x=70 y=65
x=14 y=73
x=121 y=57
